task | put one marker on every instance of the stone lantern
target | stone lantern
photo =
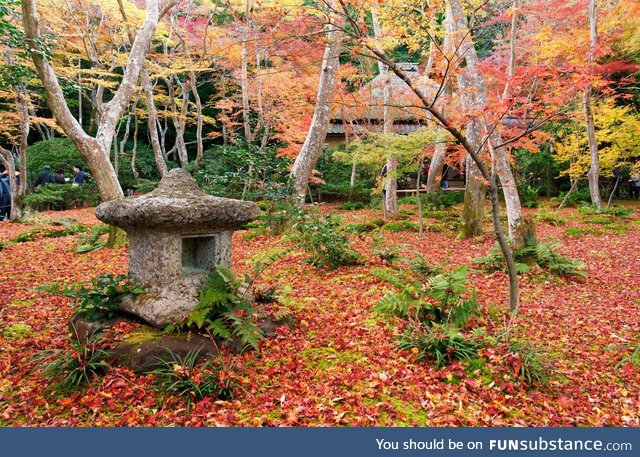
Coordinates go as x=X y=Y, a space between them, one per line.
x=177 y=234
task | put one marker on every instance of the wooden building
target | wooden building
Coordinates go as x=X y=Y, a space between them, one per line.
x=363 y=112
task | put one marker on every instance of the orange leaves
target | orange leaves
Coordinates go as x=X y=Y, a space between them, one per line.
x=339 y=364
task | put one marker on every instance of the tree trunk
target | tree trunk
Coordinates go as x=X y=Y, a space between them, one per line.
x=473 y=212
x=179 y=119
x=134 y=149
x=472 y=93
x=418 y=199
x=428 y=103
x=566 y=197
x=25 y=123
x=244 y=87
x=594 y=170
x=440 y=150
x=152 y=123
x=390 y=181
x=312 y=147
x=436 y=165
x=199 y=144
x=94 y=150
x=521 y=229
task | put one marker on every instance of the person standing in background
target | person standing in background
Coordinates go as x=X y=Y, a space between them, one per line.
x=44 y=177
x=78 y=175
x=58 y=178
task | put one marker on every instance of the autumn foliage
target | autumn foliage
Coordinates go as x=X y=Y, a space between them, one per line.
x=340 y=363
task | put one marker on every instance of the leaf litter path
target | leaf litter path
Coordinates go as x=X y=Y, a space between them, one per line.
x=339 y=364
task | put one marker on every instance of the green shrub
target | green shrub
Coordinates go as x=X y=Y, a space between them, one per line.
x=408 y=200
x=578 y=197
x=181 y=376
x=386 y=253
x=437 y=301
x=352 y=206
x=359 y=228
x=441 y=344
x=531 y=364
x=545 y=215
x=98 y=298
x=615 y=211
x=57 y=153
x=420 y=266
x=62 y=196
x=434 y=201
x=400 y=226
x=224 y=311
x=619 y=211
x=29 y=235
x=601 y=220
x=144 y=186
x=574 y=232
x=328 y=247
x=581 y=231
x=92 y=241
x=277 y=216
x=529 y=196
x=441 y=200
x=544 y=255
x=336 y=176
x=224 y=171
x=66 y=369
x=37 y=233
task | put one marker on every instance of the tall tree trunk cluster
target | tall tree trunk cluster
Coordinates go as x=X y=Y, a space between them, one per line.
x=94 y=149
x=312 y=147
x=390 y=178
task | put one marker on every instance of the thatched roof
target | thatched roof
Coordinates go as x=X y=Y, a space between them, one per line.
x=364 y=109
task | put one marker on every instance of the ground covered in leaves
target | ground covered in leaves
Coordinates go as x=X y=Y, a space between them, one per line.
x=339 y=364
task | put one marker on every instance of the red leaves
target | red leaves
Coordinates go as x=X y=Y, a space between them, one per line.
x=339 y=364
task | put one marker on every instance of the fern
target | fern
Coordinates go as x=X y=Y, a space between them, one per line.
x=224 y=311
x=545 y=255
x=219 y=328
x=392 y=278
x=438 y=300
x=420 y=266
x=396 y=304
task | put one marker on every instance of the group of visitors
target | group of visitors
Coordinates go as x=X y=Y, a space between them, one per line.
x=45 y=177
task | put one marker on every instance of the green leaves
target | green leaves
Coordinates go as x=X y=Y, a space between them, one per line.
x=320 y=237
x=98 y=298
x=435 y=312
x=437 y=301
x=545 y=255
x=224 y=311
x=70 y=368
x=441 y=343
x=180 y=376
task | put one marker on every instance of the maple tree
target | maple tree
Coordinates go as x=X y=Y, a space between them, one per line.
x=94 y=148
x=235 y=92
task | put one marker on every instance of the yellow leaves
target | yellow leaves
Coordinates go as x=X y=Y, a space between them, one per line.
x=616 y=132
